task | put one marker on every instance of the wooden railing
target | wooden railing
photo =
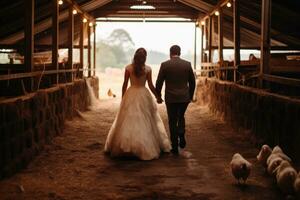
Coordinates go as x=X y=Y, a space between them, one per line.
x=250 y=69
x=31 y=81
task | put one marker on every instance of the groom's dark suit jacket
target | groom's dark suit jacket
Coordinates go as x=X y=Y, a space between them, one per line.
x=180 y=80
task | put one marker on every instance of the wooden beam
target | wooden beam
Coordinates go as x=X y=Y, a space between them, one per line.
x=236 y=35
x=45 y=24
x=81 y=38
x=70 y=40
x=55 y=33
x=265 y=37
x=95 y=48
x=281 y=80
x=202 y=43
x=89 y=52
x=220 y=34
x=210 y=39
x=195 y=46
x=29 y=37
x=199 y=5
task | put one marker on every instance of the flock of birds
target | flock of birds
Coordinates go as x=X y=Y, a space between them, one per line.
x=276 y=163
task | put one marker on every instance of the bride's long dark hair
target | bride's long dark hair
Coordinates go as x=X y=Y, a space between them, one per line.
x=138 y=62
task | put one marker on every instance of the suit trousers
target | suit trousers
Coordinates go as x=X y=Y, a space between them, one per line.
x=176 y=121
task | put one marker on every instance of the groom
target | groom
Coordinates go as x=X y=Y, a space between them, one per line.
x=180 y=85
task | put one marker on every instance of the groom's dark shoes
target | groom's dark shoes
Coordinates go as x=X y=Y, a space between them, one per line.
x=174 y=151
x=182 y=141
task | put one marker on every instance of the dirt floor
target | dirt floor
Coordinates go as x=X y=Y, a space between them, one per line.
x=75 y=167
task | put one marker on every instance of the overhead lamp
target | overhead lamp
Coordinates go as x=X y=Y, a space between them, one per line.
x=142 y=7
x=144 y=2
x=60 y=2
x=202 y=23
x=228 y=4
x=84 y=20
x=91 y=24
x=217 y=13
x=74 y=12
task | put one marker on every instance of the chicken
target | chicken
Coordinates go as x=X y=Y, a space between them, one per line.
x=297 y=186
x=286 y=176
x=110 y=93
x=240 y=167
x=277 y=152
x=263 y=155
x=273 y=165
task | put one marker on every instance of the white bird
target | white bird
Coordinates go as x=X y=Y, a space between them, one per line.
x=263 y=155
x=286 y=176
x=240 y=167
x=273 y=165
x=297 y=186
x=277 y=152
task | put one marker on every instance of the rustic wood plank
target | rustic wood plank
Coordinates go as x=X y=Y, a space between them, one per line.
x=95 y=30
x=265 y=37
x=89 y=52
x=55 y=35
x=236 y=35
x=70 y=40
x=210 y=39
x=29 y=37
x=220 y=34
x=81 y=42
x=202 y=43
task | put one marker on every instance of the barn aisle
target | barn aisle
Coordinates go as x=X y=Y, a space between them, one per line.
x=74 y=166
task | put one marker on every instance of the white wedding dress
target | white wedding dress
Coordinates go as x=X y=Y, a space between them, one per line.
x=137 y=129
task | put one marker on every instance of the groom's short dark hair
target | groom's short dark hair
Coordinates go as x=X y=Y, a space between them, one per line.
x=175 y=50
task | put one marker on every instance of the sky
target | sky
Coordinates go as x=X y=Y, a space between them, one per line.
x=158 y=36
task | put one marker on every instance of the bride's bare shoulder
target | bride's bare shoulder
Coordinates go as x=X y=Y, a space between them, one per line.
x=148 y=68
x=128 y=67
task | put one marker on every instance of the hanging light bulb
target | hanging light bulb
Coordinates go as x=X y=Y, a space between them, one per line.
x=202 y=23
x=228 y=4
x=91 y=24
x=84 y=20
x=217 y=13
x=60 y=2
x=74 y=11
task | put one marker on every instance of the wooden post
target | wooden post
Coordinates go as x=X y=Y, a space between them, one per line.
x=81 y=45
x=210 y=39
x=202 y=43
x=70 y=40
x=265 y=38
x=236 y=36
x=195 y=47
x=29 y=37
x=55 y=32
x=89 y=52
x=220 y=34
x=94 y=72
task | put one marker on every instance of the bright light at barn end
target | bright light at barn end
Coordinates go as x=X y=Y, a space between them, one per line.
x=84 y=20
x=60 y=2
x=142 y=7
x=74 y=12
x=228 y=4
x=217 y=13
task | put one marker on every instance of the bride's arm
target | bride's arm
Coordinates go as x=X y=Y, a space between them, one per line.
x=125 y=83
x=150 y=83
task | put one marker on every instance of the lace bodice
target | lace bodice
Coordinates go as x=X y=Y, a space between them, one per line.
x=138 y=81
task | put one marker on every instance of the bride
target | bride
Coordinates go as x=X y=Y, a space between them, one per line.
x=137 y=129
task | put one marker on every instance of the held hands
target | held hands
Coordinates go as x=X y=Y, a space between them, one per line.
x=159 y=100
